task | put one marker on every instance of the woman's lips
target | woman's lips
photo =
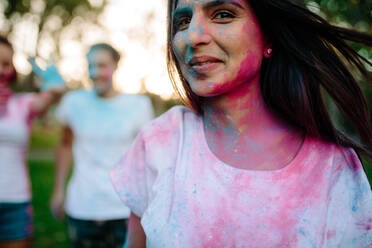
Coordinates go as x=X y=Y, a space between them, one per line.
x=204 y=64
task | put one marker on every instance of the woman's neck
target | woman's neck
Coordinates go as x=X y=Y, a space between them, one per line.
x=239 y=125
x=243 y=110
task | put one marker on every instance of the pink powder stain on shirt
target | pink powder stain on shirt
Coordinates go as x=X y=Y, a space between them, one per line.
x=235 y=207
x=218 y=228
x=366 y=225
x=164 y=133
x=212 y=225
x=162 y=136
x=331 y=234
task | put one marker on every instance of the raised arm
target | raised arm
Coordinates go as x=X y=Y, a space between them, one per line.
x=63 y=165
x=136 y=237
x=52 y=88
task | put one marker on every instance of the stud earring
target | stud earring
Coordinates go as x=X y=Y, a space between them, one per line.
x=268 y=52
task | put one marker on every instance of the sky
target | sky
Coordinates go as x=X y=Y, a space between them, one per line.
x=136 y=29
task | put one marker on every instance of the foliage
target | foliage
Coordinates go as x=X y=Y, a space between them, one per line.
x=61 y=12
x=356 y=14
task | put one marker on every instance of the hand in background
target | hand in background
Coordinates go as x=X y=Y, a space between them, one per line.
x=57 y=205
x=51 y=78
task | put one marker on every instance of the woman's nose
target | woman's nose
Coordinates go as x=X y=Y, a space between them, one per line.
x=198 y=32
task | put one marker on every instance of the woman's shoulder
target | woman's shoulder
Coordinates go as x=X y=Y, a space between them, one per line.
x=23 y=98
x=165 y=132
x=340 y=161
x=342 y=168
x=23 y=95
x=171 y=120
x=336 y=154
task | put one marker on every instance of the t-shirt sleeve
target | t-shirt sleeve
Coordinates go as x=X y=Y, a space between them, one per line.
x=131 y=177
x=350 y=213
x=62 y=111
x=147 y=112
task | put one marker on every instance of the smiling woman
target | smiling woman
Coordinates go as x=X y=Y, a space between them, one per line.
x=17 y=112
x=254 y=161
x=228 y=41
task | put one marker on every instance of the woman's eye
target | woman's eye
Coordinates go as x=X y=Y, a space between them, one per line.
x=182 y=23
x=223 y=15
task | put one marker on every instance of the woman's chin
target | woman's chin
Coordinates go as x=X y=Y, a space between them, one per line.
x=210 y=89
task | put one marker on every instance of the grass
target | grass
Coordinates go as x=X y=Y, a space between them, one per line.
x=44 y=136
x=48 y=231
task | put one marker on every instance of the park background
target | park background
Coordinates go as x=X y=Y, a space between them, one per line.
x=60 y=31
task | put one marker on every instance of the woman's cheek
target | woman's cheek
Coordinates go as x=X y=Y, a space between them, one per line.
x=9 y=76
x=107 y=73
x=246 y=70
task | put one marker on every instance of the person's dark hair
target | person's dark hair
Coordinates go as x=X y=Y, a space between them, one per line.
x=5 y=41
x=115 y=54
x=308 y=56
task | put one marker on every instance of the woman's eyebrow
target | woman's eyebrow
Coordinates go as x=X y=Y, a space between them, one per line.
x=187 y=10
x=181 y=12
x=221 y=2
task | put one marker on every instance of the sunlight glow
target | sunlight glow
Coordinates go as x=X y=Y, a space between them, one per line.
x=137 y=30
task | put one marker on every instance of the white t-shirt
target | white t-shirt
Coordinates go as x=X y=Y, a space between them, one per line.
x=15 y=128
x=103 y=131
x=186 y=197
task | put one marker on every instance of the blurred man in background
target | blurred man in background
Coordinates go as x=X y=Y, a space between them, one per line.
x=98 y=127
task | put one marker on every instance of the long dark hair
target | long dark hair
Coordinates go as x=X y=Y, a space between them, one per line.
x=4 y=40
x=308 y=56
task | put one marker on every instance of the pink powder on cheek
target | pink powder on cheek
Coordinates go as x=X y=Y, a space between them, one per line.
x=8 y=77
x=252 y=63
x=248 y=70
x=107 y=73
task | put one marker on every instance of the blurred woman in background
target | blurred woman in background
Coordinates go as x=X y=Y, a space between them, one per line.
x=17 y=112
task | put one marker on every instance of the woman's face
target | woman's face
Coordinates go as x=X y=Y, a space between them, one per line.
x=6 y=64
x=101 y=68
x=217 y=43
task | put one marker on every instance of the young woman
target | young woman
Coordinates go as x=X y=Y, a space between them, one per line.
x=255 y=160
x=98 y=125
x=17 y=111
